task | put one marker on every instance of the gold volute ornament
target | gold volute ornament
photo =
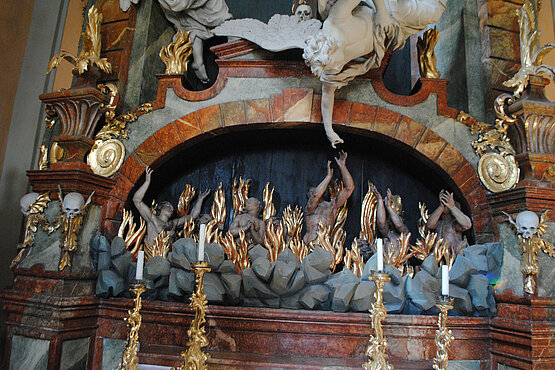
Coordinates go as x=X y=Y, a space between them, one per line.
x=176 y=55
x=194 y=357
x=106 y=157
x=90 y=52
x=549 y=174
x=130 y=357
x=531 y=54
x=426 y=55
x=443 y=335
x=56 y=153
x=378 y=342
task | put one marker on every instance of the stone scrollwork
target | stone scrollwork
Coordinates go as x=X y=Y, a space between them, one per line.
x=497 y=168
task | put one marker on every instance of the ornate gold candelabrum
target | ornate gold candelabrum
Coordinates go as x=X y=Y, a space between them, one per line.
x=378 y=343
x=443 y=335
x=194 y=357
x=130 y=357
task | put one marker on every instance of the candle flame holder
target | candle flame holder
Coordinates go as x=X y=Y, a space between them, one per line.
x=443 y=335
x=130 y=357
x=194 y=357
x=378 y=343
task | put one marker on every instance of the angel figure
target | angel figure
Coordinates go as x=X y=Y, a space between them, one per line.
x=530 y=242
x=73 y=207
x=354 y=29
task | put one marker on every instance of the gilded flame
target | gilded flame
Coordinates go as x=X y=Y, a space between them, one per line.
x=177 y=53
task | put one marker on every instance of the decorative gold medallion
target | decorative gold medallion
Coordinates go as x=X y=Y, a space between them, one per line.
x=106 y=157
x=498 y=172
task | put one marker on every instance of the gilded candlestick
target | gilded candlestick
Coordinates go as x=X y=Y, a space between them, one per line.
x=130 y=358
x=378 y=343
x=443 y=335
x=194 y=357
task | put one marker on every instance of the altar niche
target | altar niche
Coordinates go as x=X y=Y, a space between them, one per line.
x=295 y=159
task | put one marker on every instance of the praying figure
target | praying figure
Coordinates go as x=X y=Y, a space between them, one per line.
x=250 y=222
x=159 y=221
x=318 y=210
x=450 y=222
x=389 y=218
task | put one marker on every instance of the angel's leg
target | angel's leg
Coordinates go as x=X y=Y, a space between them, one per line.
x=198 y=60
x=328 y=97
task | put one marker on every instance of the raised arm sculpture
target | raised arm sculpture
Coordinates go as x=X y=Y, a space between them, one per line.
x=157 y=223
x=320 y=211
x=389 y=218
x=353 y=29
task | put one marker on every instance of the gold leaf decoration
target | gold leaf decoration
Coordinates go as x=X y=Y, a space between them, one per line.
x=106 y=157
x=176 y=55
x=426 y=55
x=184 y=203
x=269 y=209
x=239 y=195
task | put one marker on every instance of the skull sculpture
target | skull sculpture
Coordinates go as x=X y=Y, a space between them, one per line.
x=527 y=224
x=27 y=201
x=303 y=13
x=73 y=204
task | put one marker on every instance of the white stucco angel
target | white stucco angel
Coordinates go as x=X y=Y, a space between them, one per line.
x=198 y=17
x=353 y=29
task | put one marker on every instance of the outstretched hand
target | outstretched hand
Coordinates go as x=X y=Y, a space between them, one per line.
x=148 y=173
x=342 y=158
x=204 y=194
x=389 y=198
x=375 y=191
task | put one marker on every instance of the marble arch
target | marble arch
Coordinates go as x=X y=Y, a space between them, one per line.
x=297 y=106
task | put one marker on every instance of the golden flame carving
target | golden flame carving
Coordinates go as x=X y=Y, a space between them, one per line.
x=184 y=203
x=177 y=53
x=236 y=253
x=426 y=55
x=189 y=228
x=239 y=194
x=133 y=238
x=218 y=211
x=353 y=260
x=269 y=209
x=293 y=221
x=274 y=240
x=398 y=257
x=213 y=233
x=335 y=247
x=368 y=215
x=161 y=246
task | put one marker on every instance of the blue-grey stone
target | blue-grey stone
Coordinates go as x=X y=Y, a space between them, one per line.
x=29 y=353
x=371 y=265
x=289 y=257
x=104 y=261
x=291 y=301
x=394 y=274
x=257 y=252
x=315 y=297
x=494 y=255
x=283 y=272
x=343 y=277
x=477 y=256
x=253 y=302
x=342 y=295
x=214 y=255
x=74 y=354
x=462 y=302
x=492 y=305
x=232 y=283
x=478 y=289
x=314 y=276
x=227 y=267
x=112 y=350
x=394 y=297
x=263 y=268
x=181 y=282
x=131 y=272
x=430 y=265
x=189 y=247
x=179 y=260
x=49 y=257
x=118 y=247
x=254 y=287
x=319 y=259
x=296 y=283
x=270 y=302
x=109 y=284
x=155 y=267
x=422 y=290
x=461 y=270
x=213 y=288
x=120 y=264
x=363 y=297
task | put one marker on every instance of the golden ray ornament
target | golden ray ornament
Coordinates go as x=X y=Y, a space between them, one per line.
x=531 y=54
x=239 y=194
x=90 y=52
x=176 y=54
x=130 y=357
x=378 y=342
x=443 y=337
x=268 y=197
x=426 y=55
x=194 y=357
x=34 y=220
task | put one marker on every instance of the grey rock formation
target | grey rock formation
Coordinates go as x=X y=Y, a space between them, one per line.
x=394 y=296
x=121 y=263
x=461 y=270
x=283 y=272
x=179 y=260
x=232 y=283
x=314 y=276
x=430 y=265
x=340 y=278
x=363 y=297
x=257 y=252
x=315 y=297
x=342 y=295
x=227 y=267
x=477 y=256
x=104 y=261
x=291 y=301
x=296 y=283
x=181 y=282
x=157 y=271
x=109 y=284
x=462 y=302
x=118 y=247
x=319 y=259
x=422 y=290
x=213 y=288
x=289 y=257
x=263 y=268
x=214 y=255
x=494 y=254
x=253 y=287
x=478 y=289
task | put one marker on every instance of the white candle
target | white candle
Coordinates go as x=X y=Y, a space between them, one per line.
x=380 y=255
x=445 y=280
x=202 y=238
x=140 y=264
